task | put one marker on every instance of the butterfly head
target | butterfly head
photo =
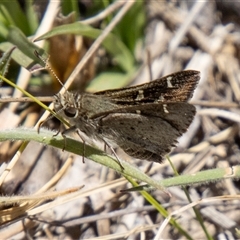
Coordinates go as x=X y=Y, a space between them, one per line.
x=67 y=103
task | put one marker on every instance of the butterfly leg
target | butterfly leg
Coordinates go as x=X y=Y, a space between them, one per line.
x=114 y=153
x=83 y=157
x=74 y=129
x=65 y=132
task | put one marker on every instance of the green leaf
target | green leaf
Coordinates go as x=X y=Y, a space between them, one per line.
x=24 y=54
x=109 y=80
x=69 y=6
x=112 y=44
x=13 y=15
x=32 y=17
x=46 y=137
x=131 y=29
x=4 y=61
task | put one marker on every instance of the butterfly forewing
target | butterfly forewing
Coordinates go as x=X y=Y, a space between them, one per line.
x=177 y=87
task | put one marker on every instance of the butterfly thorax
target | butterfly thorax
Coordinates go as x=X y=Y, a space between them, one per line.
x=80 y=110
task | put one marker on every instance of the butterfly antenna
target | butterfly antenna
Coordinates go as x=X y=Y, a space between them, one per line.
x=47 y=66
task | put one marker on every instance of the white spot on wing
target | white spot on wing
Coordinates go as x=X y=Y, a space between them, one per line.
x=165 y=108
x=169 y=84
x=138 y=112
x=140 y=95
x=160 y=99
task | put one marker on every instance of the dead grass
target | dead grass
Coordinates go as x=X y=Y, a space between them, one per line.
x=197 y=35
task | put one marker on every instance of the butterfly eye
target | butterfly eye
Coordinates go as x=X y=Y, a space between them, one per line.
x=70 y=112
